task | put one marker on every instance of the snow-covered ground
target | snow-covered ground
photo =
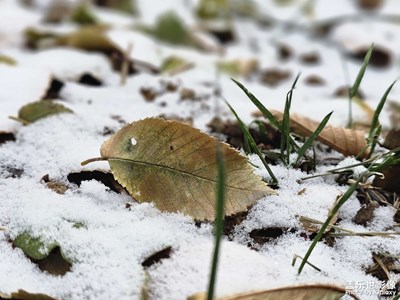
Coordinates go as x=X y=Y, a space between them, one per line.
x=108 y=250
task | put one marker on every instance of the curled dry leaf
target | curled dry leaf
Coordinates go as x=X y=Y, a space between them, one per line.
x=346 y=141
x=175 y=165
x=299 y=292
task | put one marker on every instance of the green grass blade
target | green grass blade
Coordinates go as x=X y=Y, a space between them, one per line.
x=252 y=143
x=335 y=209
x=285 y=142
x=356 y=85
x=295 y=82
x=360 y=75
x=312 y=137
x=219 y=222
x=378 y=110
x=267 y=114
x=373 y=132
x=373 y=139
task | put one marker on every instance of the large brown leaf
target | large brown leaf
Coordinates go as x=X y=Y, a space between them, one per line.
x=174 y=165
x=346 y=141
x=300 y=292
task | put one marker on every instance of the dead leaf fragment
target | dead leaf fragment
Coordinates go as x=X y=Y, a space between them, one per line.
x=349 y=142
x=273 y=77
x=34 y=111
x=173 y=65
x=239 y=67
x=47 y=256
x=299 y=292
x=24 y=295
x=174 y=166
x=5 y=59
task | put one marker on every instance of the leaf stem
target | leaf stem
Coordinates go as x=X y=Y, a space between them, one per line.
x=90 y=160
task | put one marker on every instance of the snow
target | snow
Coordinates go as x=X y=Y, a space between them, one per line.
x=108 y=250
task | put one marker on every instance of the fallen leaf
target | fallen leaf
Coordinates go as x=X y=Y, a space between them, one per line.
x=89 y=38
x=365 y=214
x=24 y=295
x=346 y=141
x=298 y=292
x=273 y=77
x=58 y=187
x=239 y=67
x=169 y=28
x=126 y=6
x=34 y=111
x=174 y=65
x=33 y=247
x=310 y=58
x=5 y=59
x=211 y=9
x=174 y=165
x=47 y=256
x=82 y=15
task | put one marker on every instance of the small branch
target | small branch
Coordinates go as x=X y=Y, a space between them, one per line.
x=90 y=160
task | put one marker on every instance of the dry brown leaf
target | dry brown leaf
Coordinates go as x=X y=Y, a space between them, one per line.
x=349 y=142
x=174 y=165
x=298 y=292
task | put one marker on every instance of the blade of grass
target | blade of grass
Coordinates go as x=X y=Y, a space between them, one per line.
x=267 y=114
x=360 y=75
x=252 y=143
x=373 y=133
x=356 y=85
x=219 y=222
x=313 y=136
x=335 y=209
x=287 y=141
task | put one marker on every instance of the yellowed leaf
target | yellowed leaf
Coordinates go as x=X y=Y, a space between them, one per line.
x=346 y=141
x=298 y=292
x=174 y=165
x=24 y=295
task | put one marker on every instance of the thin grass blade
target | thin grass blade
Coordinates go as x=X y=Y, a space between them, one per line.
x=252 y=143
x=219 y=222
x=313 y=136
x=373 y=132
x=360 y=75
x=267 y=114
x=335 y=209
